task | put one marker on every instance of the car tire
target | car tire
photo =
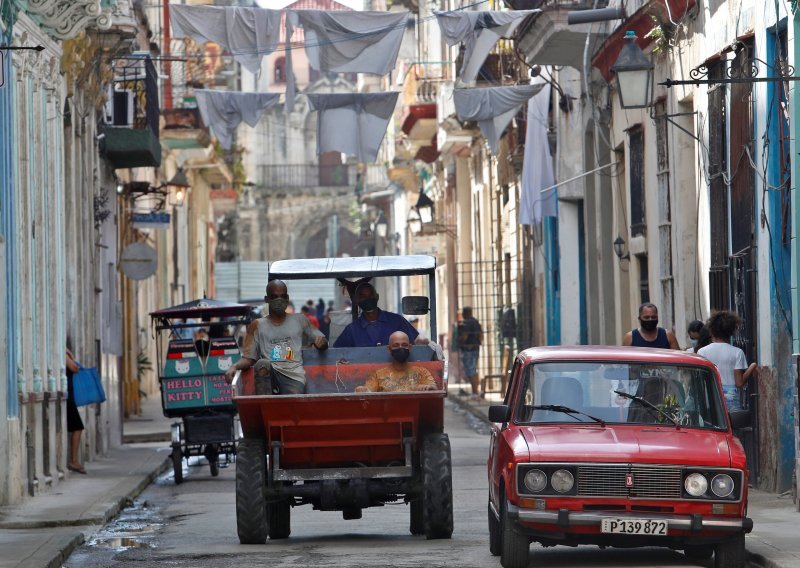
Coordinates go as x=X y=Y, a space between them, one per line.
x=251 y=510
x=177 y=463
x=730 y=553
x=495 y=539
x=437 y=486
x=417 y=524
x=279 y=515
x=698 y=553
x=514 y=547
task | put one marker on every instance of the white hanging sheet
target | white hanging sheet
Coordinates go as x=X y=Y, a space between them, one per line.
x=223 y=111
x=537 y=165
x=479 y=32
x=493 y=107
x=346 y=42
x=248 y=33
x=353 y=123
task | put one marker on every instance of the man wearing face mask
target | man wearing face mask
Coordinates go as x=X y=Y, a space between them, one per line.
x=648 y=334
x=274 y=345
x=399 y=375
x=374 y=326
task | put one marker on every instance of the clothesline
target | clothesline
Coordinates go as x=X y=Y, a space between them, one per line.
x=291 y=46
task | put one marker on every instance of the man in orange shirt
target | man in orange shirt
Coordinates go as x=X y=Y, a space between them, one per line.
x=399 y=375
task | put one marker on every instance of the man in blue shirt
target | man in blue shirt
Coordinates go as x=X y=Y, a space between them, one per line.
x=374 y=326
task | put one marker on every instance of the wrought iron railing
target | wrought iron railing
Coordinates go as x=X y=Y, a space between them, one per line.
x=315 y=175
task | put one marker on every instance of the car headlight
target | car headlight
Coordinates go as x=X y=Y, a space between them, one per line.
x=722 y=485
x=562 y=480
x=535 y=480
x=696 y=484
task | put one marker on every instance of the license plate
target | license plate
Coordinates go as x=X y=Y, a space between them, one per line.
x=634 y=526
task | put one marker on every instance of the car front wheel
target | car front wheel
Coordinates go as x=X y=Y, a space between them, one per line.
x=515 y=548
x=495 y=540
x=730 y=553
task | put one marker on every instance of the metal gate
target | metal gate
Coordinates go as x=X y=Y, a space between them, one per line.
x=495 y=292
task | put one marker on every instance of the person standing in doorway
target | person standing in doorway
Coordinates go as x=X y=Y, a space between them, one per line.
x=730 y=360
x=74 y=422
x=470 y=339
x=648 y=334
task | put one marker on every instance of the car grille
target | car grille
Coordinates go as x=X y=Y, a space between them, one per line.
x=648 y=482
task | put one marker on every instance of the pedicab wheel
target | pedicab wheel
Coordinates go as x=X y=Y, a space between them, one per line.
x=417 y=525
x=251 y=510
x=514 y=547
x=730 y=553
x=279 y=515
x=698 y=553
x=177 y=463
x=495 y=540
x=437 y=486
x=212 y=455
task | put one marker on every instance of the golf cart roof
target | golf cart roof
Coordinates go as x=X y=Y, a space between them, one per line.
x=352 y=266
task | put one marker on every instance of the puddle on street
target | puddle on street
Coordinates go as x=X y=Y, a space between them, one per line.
x=135 y=527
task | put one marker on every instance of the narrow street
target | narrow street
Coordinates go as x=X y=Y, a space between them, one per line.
x=194 y=524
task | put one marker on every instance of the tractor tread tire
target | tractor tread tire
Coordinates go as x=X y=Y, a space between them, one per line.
x=437 y=486
x=279 y=514
x=251 y=511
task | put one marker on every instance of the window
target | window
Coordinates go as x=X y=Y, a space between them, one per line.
x=280 y=70
x=644 y=278
x=636 y=157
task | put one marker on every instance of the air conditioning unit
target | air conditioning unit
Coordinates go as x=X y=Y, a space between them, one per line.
x=119 y=108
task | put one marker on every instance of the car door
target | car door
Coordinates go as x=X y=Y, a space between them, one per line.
x=495 y=469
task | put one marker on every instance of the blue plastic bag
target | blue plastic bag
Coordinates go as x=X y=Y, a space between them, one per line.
x=87 y=388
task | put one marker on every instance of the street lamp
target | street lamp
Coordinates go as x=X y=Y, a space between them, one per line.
x=424 y=207
x=634 y=75
x=381 y=226
x=414 y=221
x=619 y=249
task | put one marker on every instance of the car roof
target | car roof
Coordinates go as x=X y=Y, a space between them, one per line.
x=612 y=353
x=352 y=266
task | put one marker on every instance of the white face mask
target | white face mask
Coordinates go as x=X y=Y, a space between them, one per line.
x=694 y=343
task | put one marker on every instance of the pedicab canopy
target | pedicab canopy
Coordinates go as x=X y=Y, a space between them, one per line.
x=192 y=372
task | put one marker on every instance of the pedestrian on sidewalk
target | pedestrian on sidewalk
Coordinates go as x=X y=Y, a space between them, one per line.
x=648 y=334
x=699 y=336
x=470 y=339
x=74 y=422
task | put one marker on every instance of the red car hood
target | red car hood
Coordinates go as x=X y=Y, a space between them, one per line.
x=627 y=445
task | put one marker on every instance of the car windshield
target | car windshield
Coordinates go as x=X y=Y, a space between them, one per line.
x=614 y=393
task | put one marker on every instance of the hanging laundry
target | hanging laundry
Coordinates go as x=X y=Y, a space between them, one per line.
x=353 y=123
x=537 y=195
x=223 y=111
x=346 y=42
x=493 y=107
x=479 y=32
x=248 y=33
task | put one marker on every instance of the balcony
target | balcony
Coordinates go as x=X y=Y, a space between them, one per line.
x=131 y=130
x=547 y=39
x=310 y=176
x=184 y=129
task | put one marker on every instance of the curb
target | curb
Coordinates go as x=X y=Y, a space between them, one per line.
x=471 y=408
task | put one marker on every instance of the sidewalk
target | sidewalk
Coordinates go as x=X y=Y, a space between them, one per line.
x=43 y=531
x=774 y=542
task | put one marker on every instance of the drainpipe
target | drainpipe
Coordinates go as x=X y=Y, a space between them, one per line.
x=31 y=462
x=166 y=51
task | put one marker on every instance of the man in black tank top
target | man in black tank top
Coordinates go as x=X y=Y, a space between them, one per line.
x=648 y=334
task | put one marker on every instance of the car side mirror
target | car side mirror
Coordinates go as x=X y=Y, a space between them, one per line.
x=415 y=305
x=499 y=413
x=739 y=419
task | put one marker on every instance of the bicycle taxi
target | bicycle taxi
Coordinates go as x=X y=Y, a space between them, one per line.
x=196 y=344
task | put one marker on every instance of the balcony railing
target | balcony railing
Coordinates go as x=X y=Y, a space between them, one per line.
x=312 y=175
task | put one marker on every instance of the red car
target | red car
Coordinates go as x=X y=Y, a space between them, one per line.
x=616 y=446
